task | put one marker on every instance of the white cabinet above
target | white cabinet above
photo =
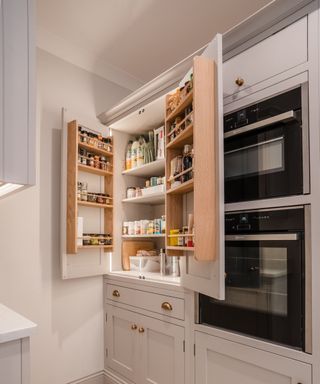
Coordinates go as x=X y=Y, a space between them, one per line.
x=17 y=95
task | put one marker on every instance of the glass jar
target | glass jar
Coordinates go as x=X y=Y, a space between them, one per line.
x=92 y=197
x=86 y=240
x=90 y=160
x=101 y=239
x=94 y=239
x=131 y=192
x=125 y=228
x=103 y=163
x=84 y=136
x=100 y=199
x=108 y=239
x=79 y=190
x=84 y=191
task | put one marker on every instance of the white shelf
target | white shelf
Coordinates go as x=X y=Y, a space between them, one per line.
x=142 y=236
x=154 y=198
x=155 y=168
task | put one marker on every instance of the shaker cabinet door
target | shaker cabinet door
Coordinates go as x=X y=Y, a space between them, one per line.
x=122 y=342
x=204 y=271
x=162 y=357
x=220 y=361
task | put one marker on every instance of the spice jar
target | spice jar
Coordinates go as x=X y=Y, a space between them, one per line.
x=103 y=163
x=92 y=197
x=108 y=199
x=96 y=161
x=86 y=239
x=100 y=199
x=84 y=191
x=94 y=239
x=125 y=228
x=108 y=239
x=180 y=239
x=84 y=136
x=90 y=160
x=101 y=239
x=79 y=190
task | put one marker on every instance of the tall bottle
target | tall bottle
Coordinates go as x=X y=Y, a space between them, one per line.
x=187 y=162
x=128 y=155
x=140 y=152
x=134 y=154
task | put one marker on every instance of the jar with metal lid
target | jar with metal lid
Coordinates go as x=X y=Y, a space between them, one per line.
x=90 y=160
x=108 y=239
x=125 y=228
x=92 y=197
x=103 y=163
x=100 y=199
x=96 y=161
x=79 y=190
x=84 y=136
x=101 y=239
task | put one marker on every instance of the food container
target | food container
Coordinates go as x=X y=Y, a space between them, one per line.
x=125 y=228
x=131 y=192
x=137 y=227
x=100 y=198
x=130 y=228
x=144 y=226
x=86 y=240
x=151 y=190
x=94 y=240
x=145 y=263
x=173 y=241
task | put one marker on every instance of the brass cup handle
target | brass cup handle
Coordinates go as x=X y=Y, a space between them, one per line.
x=141 y=330
x=166 y=306
x=116 y=293
x=134 y=327
x=239 y=81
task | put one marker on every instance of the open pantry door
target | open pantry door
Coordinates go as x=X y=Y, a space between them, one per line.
x=80 y=216
x=204 y=270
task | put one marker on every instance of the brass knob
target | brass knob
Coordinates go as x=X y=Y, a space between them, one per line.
x=116 y=293
x=239 y=81
x=134 y=327
x=141 y=330
x=166 y=306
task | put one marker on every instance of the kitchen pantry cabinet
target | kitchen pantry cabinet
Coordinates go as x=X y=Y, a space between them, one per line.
x=143 y=349
x=224 y=362
x=17 y=94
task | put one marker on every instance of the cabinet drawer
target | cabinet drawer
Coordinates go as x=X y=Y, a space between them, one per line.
x=278 y=53
x=162 y=304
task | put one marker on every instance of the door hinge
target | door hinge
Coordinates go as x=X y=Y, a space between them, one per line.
x=194 y=349
x=184 y=345
x=106 y=352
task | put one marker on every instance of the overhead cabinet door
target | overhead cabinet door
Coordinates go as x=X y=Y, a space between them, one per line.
x=203 y=270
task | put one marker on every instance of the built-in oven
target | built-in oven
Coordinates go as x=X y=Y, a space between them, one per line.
x=266 y=148
x=267 y=294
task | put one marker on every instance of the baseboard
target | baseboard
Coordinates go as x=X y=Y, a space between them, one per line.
x=111 y=378
x=96 y=378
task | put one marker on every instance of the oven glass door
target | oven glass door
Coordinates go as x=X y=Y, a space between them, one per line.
x=264 y=163
x=264 y=291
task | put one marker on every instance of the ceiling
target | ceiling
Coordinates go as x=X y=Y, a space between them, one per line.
x=132 y=41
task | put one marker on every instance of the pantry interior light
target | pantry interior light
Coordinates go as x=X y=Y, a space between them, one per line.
x=8 y=188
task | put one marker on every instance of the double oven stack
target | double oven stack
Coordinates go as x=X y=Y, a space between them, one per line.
x=266 y=257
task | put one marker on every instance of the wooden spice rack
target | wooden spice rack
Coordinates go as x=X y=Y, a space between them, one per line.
x=73 y=167
x=196 y=108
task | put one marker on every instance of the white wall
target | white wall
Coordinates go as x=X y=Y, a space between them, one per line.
x=69 y=341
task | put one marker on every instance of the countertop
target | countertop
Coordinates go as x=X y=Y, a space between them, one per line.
x=13 y=326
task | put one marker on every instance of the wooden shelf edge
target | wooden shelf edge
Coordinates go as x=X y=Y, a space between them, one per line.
x=183 y=136
x=182 y=188
x=96 y=171
x=95 y=246
x=177 y=248
x=94 y=205
x=95 y=149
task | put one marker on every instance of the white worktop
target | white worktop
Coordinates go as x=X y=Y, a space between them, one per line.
x=14 y=326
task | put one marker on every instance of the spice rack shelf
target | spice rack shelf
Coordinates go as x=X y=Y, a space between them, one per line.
x=96 y=171
x=74 y=148
x=182 y=105
x=155 y=168
x=94 y=205
x=182 y=188
x=185 y=137
x=155 y=198
x=95 y=150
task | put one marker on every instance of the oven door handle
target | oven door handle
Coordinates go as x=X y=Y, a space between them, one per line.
x=283 y=117
x=263 y=237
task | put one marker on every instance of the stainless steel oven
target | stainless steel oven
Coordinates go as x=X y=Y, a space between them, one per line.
x=266 y=148
x=266 y=277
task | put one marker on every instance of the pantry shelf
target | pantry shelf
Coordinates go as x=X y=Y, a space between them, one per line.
x=94 y=205
x=184 y=103
x=177 y=248
x=155 y=168
x=182 y=188
x=95 y=150
x=185 y=137
x=152 y=199
x=142 y=236
x=96 y=171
